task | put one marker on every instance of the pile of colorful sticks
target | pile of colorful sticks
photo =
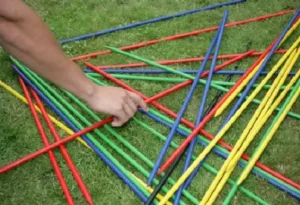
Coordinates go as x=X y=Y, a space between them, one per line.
x=278 y=100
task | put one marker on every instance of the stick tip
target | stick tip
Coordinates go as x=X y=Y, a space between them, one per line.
x=109 y=47
x=218 y=113
x=149 y=182
x=90 y=202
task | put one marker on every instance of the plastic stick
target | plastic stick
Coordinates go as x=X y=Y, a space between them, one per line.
x=51 y=155
x=263 y=118
x=190 y=125
x=206 y=166
x=149 y=189
x=126 y=144
x=100 y=151
x=211 y=145
x=183 y=84
x=118 y=169
x=242 y=81
x=13 y=92
x=64 y=151
x=184 y=35
x=217 y=40
x=163 y=180
x=181 y=112
x=119 y=137
x=222 y=152
x=203 y=101
x=210 y=107
x=173 y=80
x=265 y=140
x=153 y=131
x=219 y=94
x=151 y=21
x=16 y=94
x=178 y=61
x=249 y=132
x=115 y=72
x=276 y=182
x=51 y=94
x=235 y=89
x=202 y=155
x=255 y=77
x=41 y=151
x=53 y=119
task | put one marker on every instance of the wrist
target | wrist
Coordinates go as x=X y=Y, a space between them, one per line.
x=78 y=83
x=86 y=91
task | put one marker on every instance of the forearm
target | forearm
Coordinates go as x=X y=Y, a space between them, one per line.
x=25 y=36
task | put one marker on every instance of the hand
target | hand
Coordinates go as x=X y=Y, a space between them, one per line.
x=115 y=101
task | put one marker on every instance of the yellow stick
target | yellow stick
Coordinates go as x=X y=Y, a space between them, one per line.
x=219 y=177
x=55 y=121
x=149 y=189
x=247 y=79
x=266 y=113
x=227 y=126
x=214 y=191
x=269 y=137
x=230 y=170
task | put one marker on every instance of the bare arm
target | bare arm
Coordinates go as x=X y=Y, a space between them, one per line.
x=25 y=36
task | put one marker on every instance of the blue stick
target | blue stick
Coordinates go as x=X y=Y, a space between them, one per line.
x=251 y=83
x=162 y=18
x=202 y=104
x=156 y=71
x=188 y=182
x=117 y=171
x=180 y=114
x=75 y=129
x=223 y=155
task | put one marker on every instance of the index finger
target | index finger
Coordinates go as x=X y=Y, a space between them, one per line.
x=138 y=100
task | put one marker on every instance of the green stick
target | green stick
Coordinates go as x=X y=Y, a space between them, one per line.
x=169 y=80
x=191 y=77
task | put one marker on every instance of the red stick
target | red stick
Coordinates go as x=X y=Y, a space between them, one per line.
x=183 y=84
x=190 y=125
x=185 y=60
x=179 y=36
x=37 y=153
x=63 y=150
x=44 y=138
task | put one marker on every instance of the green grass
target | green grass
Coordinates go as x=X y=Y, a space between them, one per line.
x=35 y=182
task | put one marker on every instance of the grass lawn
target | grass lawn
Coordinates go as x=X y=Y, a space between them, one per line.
x=35 y=182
